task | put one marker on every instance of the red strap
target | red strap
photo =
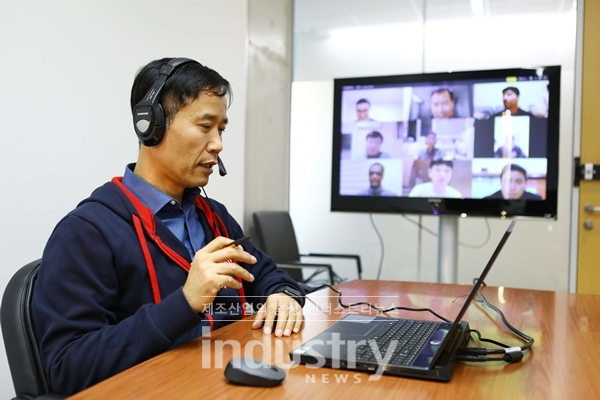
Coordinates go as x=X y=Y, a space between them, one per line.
x=148 y=221
x=218 y=227
x=211 y=321
x=149 y=263
x=214 y=221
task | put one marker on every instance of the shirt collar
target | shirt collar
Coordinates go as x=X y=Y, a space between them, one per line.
x=151 y=196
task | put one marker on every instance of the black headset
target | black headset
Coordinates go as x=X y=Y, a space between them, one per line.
x=149 y=120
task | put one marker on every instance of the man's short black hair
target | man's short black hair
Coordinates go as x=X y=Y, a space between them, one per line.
x=374 y=164
x=513 y=167
x=441 y=162
x=363 y=101
x=375 y=134
x=444 y=90
x=184 y=85
x=514 y=89
x=431 y=133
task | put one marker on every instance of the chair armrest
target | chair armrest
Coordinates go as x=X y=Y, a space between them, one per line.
x=353 y=256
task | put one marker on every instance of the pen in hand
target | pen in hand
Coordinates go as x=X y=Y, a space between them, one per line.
x=239 y=241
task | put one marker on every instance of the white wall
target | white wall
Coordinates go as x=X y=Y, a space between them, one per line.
x=537 y=254
x=66 y=69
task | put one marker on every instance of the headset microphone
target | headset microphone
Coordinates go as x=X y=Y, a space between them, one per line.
x=222 y=170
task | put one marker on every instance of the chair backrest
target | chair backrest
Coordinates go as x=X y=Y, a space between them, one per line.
x=19 y=338
x=276 y=235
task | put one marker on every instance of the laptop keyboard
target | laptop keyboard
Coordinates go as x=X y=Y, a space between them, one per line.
x=410 y=334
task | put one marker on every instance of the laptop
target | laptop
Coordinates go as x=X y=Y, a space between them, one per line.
x=394 y=346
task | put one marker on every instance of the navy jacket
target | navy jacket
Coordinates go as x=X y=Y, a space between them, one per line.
x=93 y=304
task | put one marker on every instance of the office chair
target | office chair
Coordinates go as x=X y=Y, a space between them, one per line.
x=277 y=238
x=19 y=337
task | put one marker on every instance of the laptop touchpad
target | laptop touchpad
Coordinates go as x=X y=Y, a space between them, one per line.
x=353 y=328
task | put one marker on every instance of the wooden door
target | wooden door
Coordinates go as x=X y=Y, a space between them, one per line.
x=588 y=263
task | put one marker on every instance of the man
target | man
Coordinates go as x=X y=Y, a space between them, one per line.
x=513 y=179
x=509 y=149
x=374 y=141
x=431 y=152
x=146 y=263
x=440 y=173
x=375 y=178
x=443 y=103
x=510 y=99
x=363 y=106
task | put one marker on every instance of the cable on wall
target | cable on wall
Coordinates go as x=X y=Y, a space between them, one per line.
x=381 y=244
x=435 y=234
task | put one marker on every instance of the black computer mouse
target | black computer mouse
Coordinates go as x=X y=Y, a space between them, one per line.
x=247 y=371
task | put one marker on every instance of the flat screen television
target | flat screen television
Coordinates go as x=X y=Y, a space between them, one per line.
x=475 y=143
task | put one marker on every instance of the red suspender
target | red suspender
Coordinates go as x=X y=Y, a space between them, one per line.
x=214 y=221
x=147 y=220
x=148 y=258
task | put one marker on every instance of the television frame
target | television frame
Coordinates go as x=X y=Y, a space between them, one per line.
x=546 y=208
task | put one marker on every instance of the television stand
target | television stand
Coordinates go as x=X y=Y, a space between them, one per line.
x=447 y=271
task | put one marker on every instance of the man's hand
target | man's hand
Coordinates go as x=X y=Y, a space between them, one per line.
x=285 y=309
x=212 y=269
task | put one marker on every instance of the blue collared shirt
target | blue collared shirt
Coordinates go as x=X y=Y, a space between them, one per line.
x=181 y=219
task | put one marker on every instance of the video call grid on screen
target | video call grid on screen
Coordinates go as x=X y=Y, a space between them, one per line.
x=449 y=139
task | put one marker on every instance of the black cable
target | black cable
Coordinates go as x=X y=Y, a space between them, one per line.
x=382 y=246
x=482 y=339
x=487 y=239
x=435 y=234
x=364 y=303
x=510 y=354
x=314 y=274
x=208 y=200
x=527 y=339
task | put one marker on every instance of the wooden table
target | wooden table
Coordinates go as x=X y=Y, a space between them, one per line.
x=562 y=364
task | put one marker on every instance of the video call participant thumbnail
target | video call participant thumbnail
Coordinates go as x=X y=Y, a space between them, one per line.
x=513 y=179
x=514 y=152
x=440 y=173
x=375 y=178
x=374 y=141
x=443 y=103
x=363 y=106
x=510 y=99
x=431 y=152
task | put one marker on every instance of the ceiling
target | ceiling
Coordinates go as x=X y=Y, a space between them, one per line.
x=320 y=16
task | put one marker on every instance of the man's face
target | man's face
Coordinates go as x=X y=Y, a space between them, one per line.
x=510 y=99
x=189 y=150
x=362 y=111
x=375 y=175
x=373 y=146
x=442 y=105
x=513 y=185
x=430 y=140
x=440 y=175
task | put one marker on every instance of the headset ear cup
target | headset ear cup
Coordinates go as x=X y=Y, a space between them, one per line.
x=158 y=126
x=159 y=116
x=148 y=116
x=156 y=129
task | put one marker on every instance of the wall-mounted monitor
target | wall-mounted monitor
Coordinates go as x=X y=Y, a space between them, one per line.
x=474 y=142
